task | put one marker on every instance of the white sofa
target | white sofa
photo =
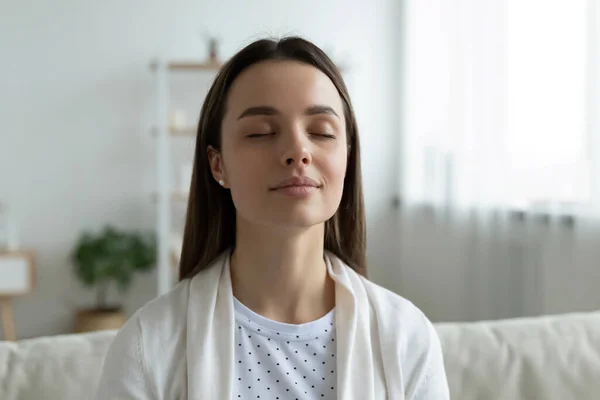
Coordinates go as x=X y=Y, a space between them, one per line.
x=544 y=358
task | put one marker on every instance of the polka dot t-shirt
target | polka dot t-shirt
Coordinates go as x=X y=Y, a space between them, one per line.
x=274 y=360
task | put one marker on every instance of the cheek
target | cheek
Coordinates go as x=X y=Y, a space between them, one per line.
x=247 y=174
x=335 y=166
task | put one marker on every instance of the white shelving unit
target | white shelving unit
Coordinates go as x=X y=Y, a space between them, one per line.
x=164 y=133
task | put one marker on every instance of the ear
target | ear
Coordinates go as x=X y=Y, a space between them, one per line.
x=216 y=165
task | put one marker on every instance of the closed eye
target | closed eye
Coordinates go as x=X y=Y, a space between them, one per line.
x=257 y=135
x=324 y=135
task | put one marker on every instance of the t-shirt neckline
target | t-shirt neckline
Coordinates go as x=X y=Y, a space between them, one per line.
x=271 y=328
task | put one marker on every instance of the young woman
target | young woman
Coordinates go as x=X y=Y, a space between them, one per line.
x=273 y=301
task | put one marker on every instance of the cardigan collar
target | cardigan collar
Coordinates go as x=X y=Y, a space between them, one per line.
x=211 y=334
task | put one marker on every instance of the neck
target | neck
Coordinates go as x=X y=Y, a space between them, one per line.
x=282 y=274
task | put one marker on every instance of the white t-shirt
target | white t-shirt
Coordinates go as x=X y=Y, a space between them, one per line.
x=274 y=360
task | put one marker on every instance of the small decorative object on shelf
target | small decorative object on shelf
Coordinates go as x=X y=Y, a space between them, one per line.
x=177 y=120
x=112 y=257
x=213 y=50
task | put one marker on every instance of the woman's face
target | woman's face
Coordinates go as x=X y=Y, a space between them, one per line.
x=283 y=119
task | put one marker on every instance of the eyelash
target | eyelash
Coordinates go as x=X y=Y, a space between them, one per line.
x=325 y=135
x=322 y=135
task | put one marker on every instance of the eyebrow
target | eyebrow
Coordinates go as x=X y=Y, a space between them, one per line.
x=268 y=110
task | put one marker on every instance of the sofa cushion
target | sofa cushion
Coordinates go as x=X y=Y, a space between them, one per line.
x=61 y=367
x=551 y=357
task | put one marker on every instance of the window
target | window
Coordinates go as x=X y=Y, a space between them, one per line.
x=498 y=100
x=547 y=143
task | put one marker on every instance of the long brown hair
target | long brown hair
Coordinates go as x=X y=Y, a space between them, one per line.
x=210 y=223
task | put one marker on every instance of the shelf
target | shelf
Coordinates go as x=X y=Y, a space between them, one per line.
x=195 y=66
x=180 y=196
x=192 y=66
x=177 y=196
x=186 y=131
x=167 y=126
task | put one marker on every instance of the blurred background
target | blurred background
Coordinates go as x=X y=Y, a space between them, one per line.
x=480 y=132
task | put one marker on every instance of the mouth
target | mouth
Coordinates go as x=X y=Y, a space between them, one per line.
x=296 y=181
x=296 y=186
x=296 y=190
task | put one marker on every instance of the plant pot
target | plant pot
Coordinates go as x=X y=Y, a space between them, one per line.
x=90 y=320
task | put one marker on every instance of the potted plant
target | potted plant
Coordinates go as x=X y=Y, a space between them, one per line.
x=110 y=258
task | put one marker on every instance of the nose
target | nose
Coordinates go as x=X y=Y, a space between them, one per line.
x=296 y=150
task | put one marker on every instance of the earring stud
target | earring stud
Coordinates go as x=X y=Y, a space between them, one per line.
x=222 y=182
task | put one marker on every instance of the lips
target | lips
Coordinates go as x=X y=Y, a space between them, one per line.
x=296 y=181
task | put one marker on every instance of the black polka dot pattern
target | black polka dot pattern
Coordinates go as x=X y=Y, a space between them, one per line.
x=274 y=360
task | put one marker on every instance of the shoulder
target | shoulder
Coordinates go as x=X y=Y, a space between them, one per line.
x=399 y=311
x=166 y=316
x=152 y=345
x=158 y=320
x=130 y=370
x=413 y=331
x=166 y=311
x=406 y=329
x=169 y=312
x=161 y=319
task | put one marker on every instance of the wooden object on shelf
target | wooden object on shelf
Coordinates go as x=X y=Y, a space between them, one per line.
x=191 y=65
x=8 y=322
x=180 y=196
x=188 y=131
x=17 y=278
x=195 y=66
x=185 y=131
x=98 y=320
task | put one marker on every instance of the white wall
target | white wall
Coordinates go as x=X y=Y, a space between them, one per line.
x=75 y=101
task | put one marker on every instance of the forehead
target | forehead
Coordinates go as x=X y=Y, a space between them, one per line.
x=287 y=85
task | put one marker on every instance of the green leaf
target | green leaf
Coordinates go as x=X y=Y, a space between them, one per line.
x=113 y=256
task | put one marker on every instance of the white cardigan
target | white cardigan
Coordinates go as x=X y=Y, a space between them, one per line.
x=180 y=346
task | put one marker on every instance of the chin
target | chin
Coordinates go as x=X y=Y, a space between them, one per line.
x=296 y=218
x=298 y=221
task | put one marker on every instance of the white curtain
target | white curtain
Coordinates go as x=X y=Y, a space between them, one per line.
x=501 y=157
